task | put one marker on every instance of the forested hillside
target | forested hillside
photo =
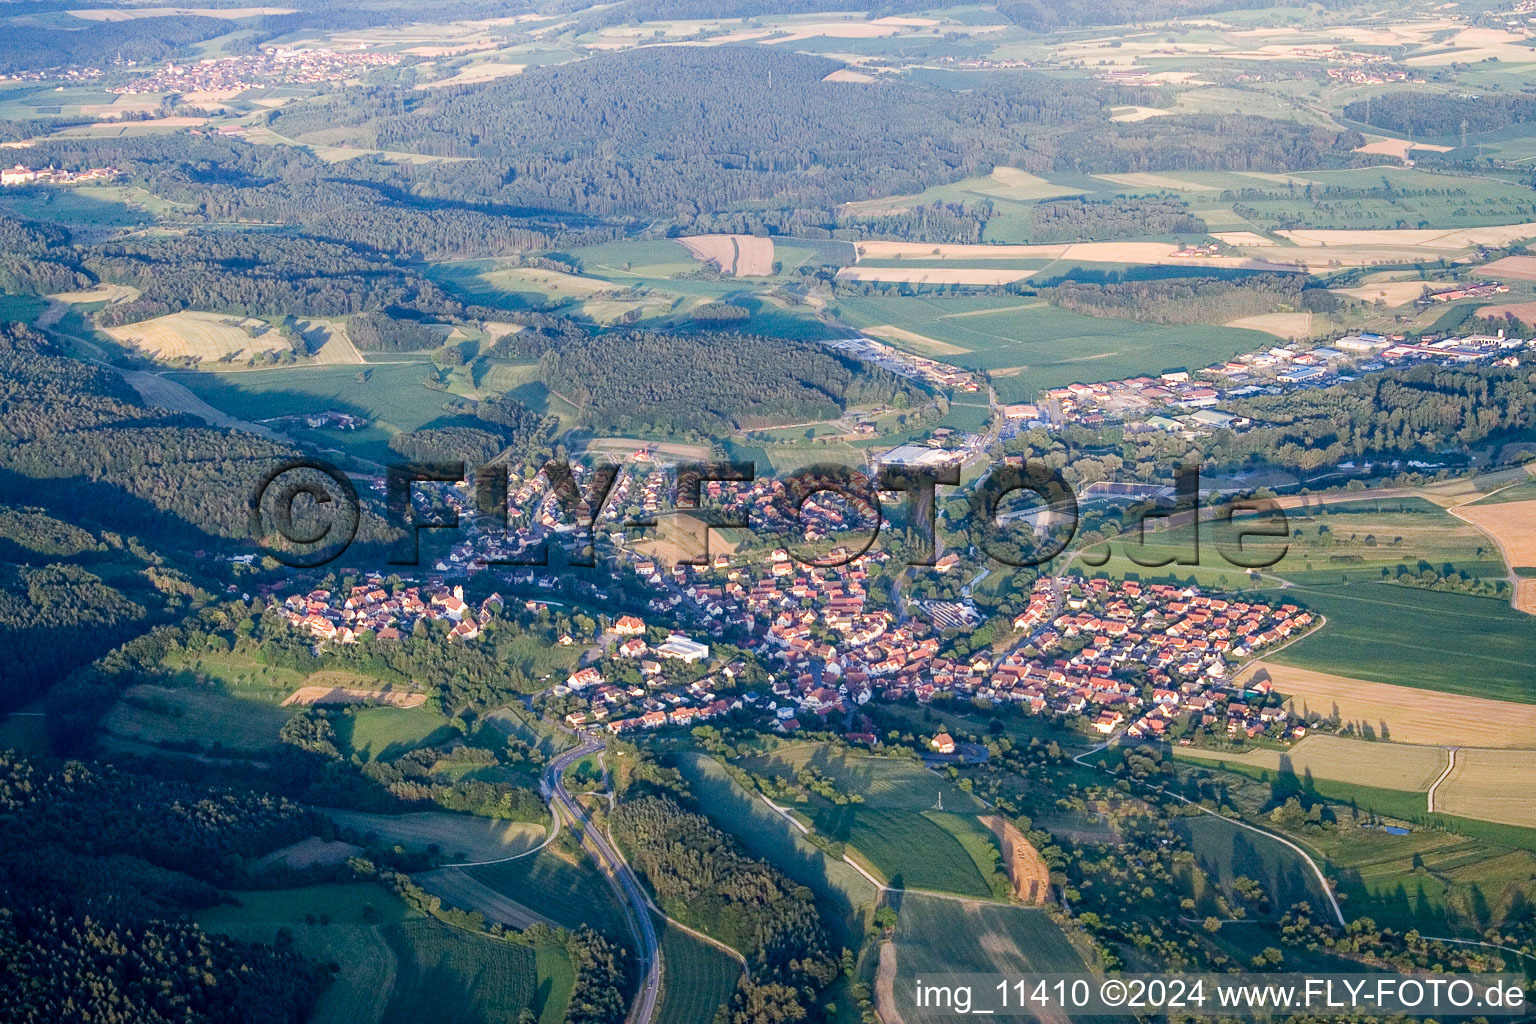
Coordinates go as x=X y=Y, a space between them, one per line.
x=1415 y=113
x=710 y=382
x=97 y=868
x=700 y=875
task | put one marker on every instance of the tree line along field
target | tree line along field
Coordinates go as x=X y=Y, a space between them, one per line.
x=1224 y=851
x=1026 y=345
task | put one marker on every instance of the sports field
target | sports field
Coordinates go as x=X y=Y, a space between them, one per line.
x=1041 y=346
x=207 y=337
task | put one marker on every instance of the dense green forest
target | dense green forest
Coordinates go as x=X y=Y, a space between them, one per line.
x=97 y=867
x=1197 y=300
x=710 y=382
x=1082 y=220
x=701 y=876
x=1417 y=114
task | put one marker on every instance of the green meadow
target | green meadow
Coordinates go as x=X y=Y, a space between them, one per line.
x=1026 y=344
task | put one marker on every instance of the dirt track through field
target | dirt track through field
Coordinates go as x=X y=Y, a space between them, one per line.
x=307 y=695
x=1026 y=869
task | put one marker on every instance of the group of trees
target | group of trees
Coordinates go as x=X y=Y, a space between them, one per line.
x=1418 y=113
x=710 y=383
x=1184 y=300
x=1081 y=220
x=701 y=876
x=35 y=259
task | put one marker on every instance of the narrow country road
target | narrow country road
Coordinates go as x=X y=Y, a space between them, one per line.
x=618 y=872
x=1450 y=766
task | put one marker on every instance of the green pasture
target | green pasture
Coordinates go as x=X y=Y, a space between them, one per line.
x=697 y=978
x=637 y=258
x=936 y=936
x=456 y=836
x=446 y=974
x=1027 y=345
x=207 y=716
x=391 y=395
x=380 y=733
x=560 y=886
x=1419 y=638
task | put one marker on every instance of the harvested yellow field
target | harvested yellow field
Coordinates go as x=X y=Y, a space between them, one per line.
x=1511 y=524
x=128 y=14
x=737 y=255
x=934 y=275
x=205 y=336
x=1399 y=766
x=305 y=696
x=957 y=251
x=1137 y=113
x=915 y=342
x=1150 y=253
x=1279 y=179
x=1491 y=785
x=1525 y=596
x=848 y=75
x=477 y=73
x=1411 y=715
x=1013 y=183
x=1519 y=310
x=1392 y=293
x=1423 y=238
x=1520 y=268
x=1281 y=325
x=328 y=343
x=1027 y=870
x=1159 y=181
x=101 y=293
x=1473 y=45
x=1243 y=238
x=1398 y=147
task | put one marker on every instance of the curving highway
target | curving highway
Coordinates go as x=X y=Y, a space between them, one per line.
x=618 y=872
